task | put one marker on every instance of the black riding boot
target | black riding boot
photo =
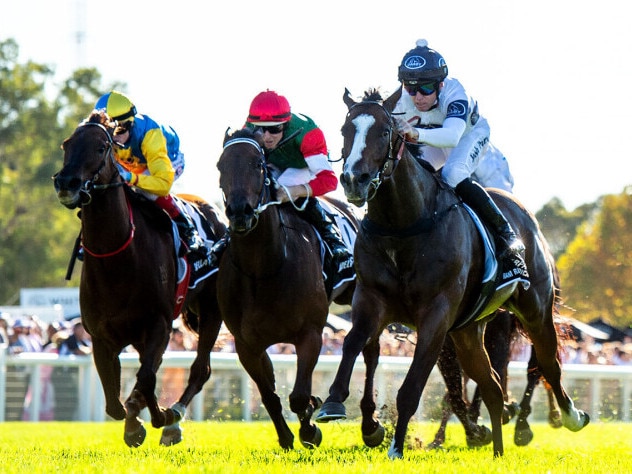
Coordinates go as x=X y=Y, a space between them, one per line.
x=189 y=234
x=316 y=215
x=218 y=249
x=509 y=247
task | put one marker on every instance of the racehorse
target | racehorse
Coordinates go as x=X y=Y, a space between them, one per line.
x=270 y=282
x=128 y=280
x=419 y=260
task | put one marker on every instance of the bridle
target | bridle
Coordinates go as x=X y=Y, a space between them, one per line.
x=390 y=157
x=91 y=185
x=263 y=201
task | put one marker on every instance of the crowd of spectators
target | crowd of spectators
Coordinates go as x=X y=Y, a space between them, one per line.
x=29 y=334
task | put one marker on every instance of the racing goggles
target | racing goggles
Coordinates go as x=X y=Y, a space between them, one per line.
x=272 y=129
x=424 y=89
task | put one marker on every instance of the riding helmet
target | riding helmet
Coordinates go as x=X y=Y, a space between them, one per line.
x=422 y=65
x=117 y=105
x=269 y=108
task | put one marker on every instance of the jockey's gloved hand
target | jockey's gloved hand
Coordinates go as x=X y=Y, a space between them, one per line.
x=406 y=129
x=126 y=175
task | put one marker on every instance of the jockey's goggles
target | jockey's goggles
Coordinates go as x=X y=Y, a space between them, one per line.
x=272 y=129
x=424 y=89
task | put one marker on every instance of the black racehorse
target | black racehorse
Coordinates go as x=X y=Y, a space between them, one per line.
x=129 y=279
x=419 y=260
x=271 y=287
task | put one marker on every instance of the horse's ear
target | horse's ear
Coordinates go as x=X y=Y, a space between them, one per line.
x=389 y=104
x=348 y=99
x=227 y=134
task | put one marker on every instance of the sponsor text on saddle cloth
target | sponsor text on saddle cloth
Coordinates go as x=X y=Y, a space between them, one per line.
x=498 y=283
x=348 y=234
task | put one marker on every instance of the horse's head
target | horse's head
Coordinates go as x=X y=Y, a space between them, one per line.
x=244 y=179
x=369 y=144
x=88 y=162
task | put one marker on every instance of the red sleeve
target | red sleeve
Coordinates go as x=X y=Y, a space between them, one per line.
x=324 y=182
x=314 y=143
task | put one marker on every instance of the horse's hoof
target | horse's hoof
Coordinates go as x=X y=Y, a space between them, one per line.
x=171 y=435
x=575 y=420
x=315 y=439
x=523 y=437
x=482 y=437
x=331 y=411
x=393 y=452
x=136 y=438
x=510 y=411
x=376 y=438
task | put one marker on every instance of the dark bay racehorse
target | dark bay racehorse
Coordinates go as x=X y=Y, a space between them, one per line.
x=270 y=282
x=128 y=280
x=419 y=261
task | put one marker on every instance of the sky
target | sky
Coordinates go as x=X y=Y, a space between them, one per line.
x=553 y=78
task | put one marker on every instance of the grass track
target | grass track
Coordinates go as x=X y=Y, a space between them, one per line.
x=234 y=447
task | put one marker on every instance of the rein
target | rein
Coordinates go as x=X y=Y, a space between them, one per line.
x=91 y=185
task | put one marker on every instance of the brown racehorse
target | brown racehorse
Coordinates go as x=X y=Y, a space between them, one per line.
x=128 y=280
x=419 y=261
x=270 y=283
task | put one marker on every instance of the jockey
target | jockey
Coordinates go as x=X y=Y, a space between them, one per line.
x=149 y=159
x=443 y=124
x=297 y=152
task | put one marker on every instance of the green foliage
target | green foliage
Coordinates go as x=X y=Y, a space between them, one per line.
x=36 y=232
x=237 y=447
x=597 y=266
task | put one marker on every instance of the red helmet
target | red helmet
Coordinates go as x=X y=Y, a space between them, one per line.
x=269 y=108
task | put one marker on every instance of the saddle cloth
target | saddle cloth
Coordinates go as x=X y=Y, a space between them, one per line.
x=348 y=234
x=497 y=285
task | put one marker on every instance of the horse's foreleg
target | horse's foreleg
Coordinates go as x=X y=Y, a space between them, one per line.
x=260 y=369
x=363 y=332
x=199 y=374
x=372 y=430
x=109 y=369
x=302 y=402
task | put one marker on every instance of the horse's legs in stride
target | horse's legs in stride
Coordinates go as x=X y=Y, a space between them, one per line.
x=109 y=368
x=450 y=369
x=475 y=361
x=363 y=332
x=259 y=367
x=301 y=400
x=199 y=373
x=429 y=344
x=372 y=430
x=545 y=343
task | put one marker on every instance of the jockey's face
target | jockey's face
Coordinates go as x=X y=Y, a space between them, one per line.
x=424 y=103
x=271 y=140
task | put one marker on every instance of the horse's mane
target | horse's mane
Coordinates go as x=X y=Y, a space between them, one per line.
x=373 y=95
x=98 y=116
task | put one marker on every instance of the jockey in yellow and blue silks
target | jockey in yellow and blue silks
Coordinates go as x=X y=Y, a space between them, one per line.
x=149 y=159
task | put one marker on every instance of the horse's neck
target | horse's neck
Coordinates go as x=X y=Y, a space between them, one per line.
x=264 y=248
x=106 y=221
x=409 y=194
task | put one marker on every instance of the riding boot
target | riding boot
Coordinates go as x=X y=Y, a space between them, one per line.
x=218 y=249
x=188 y=232
x=510 y=247
x=342 y=258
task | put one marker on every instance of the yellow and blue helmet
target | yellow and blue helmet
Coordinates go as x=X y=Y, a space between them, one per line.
x=117 y=105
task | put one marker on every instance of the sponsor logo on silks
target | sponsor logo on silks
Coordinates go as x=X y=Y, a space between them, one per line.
x=479 y=147
x=457 y=108
x=415 y=62
x=205 y=262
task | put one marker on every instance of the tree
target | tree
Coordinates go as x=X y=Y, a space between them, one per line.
x=596 y=269
x=36 y=232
